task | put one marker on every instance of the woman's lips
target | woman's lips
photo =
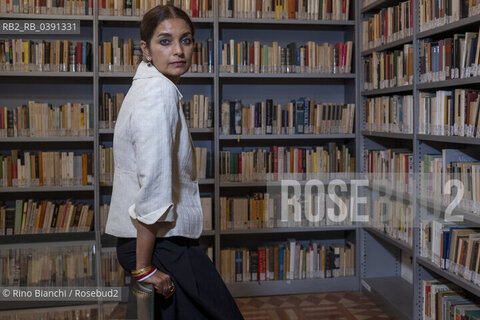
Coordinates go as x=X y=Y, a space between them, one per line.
x=179 y=63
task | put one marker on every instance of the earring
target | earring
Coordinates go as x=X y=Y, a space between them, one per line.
x=149 y=61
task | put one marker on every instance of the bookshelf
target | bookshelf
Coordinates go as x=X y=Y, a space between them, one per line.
x=376 y=245
x=382 y=281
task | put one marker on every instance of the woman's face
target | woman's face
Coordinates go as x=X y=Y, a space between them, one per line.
x=171 y=48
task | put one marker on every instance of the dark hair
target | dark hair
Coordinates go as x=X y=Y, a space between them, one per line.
x=157 y=15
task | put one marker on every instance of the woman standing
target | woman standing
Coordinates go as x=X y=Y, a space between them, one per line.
x=155 y=209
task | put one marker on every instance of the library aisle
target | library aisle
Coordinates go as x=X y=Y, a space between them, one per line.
x=325 y=306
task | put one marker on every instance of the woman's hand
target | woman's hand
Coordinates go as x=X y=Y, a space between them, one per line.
x=162 y=283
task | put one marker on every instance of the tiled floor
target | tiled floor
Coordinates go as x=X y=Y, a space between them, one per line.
x=321 y=306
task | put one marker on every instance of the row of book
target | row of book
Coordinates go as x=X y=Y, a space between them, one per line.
x=55 y=265
x=113 y=275
x=194 y=8
x=388 y=69
x=198 y=111
x=391 y=168
x=254 y=57
x=301 y=116
x=47 y=56
x=285 y=9
x=46 y=168
x=290 y=261
x=451 y=247
x=441 y=171
x=282 y=162
x=264 y=210
x=107 y=164
x=109 y=108
x=123 y=55
x=391 y=217
x=388 y=25
x=449 y=113
x=45 y=216
x=39 y=119
x=445 y=300
x=104 y=310
x=389 y=114
x=436 y=13
x=450 y=58
x=57 y=7
x=206 y=209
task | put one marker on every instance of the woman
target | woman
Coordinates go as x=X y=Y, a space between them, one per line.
x=155 y=209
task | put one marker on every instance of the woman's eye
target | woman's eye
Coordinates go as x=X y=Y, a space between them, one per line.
x=187 y=41
x=164 y=42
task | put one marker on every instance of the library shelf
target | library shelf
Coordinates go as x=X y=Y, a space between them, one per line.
x=200 y=182
x=256 y=22
x=287 y=136
x=139 y=18
x=394 y=294
x=452 y=139
x=45 y=16
x=192 y=131
x=264 y=288
x=461 y=282
x=379 y=92
x=275 y=183
x=391 y=135
x=47 y=189
x=47 y=139
x=449 y=83
x=460 y=24
x=378 y=5
x=400 y=196
x=469 y=217
x=289 y=75
x=287 y=230
x=387 y=46
x=23 y=305
x=47 y=237
x=132 y=74
x=47 y=74
x=385 y=237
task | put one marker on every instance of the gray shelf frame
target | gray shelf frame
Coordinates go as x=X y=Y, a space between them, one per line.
x=48 y=74
x=45 y=16
x=47 y=139
x=199 y=75
x=392 y=293
x=449 y=83
x=289 y=75
x=385 y=237
x=392 y=135
x=449 y=27
x=335 y=23
x=262 y=288
x=388 y=46
x=378 y=5
x=48 y=189
x=286 y=230
x=287 y=137
x=387 y=91
x=453 y=139
x=47 y=237
x=463 y=283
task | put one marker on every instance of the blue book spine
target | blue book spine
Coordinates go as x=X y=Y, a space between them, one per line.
x=84 y=53
x=238 y=266
x=280 y=264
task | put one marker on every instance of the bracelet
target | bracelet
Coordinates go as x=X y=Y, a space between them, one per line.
x=145 y=276
x=141 y=271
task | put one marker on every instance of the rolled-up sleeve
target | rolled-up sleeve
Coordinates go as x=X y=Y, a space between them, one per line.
x=153 y=125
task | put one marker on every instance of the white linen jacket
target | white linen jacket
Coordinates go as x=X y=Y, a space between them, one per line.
x=155 y=177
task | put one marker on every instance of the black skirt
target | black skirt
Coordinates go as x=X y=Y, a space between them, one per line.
x=200 y=292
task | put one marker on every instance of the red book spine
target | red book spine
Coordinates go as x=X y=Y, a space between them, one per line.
x=240 y=164
x=79 y=54
x=275 y=162
x=300 y=160
x=252 y=55
x=195 y=9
